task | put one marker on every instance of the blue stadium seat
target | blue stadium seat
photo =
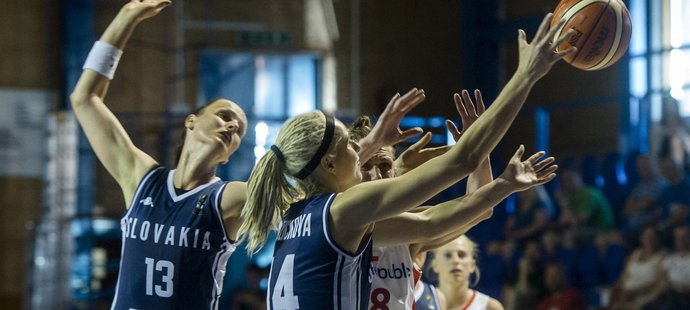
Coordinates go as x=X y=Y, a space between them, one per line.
x=614 y=263
x=588 y=267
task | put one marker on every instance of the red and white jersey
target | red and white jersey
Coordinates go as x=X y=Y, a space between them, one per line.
x=478 y=301
x=393 y=278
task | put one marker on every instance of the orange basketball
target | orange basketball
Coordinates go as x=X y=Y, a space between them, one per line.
x=602 y=31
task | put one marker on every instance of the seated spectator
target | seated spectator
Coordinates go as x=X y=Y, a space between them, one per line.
x=674 y=200
x=639 y=274
x=551 y=243
x=673 y=277
x=530 y=287
x=534 y=209
x=583 y=208
x=639 y=206
x=561 y=295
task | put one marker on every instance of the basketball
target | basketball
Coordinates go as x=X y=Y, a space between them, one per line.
x=602 y=30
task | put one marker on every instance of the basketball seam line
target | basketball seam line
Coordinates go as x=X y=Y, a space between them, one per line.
x=565 y=13
x=615 y=45
x=589 y=35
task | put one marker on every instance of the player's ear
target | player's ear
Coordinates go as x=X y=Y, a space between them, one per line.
x=328 y=163
x=189 y=121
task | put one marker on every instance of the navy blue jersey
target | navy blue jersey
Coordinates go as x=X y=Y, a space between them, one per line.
x=426 y=297
x=174 y=247
x=309 y=270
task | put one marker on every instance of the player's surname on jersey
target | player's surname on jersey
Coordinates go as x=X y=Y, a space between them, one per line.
x=297 y=227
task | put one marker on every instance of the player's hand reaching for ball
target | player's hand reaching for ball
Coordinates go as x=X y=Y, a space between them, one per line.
x=537 y=57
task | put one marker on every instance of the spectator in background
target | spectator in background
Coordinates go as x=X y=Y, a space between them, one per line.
x=530 y=287
x=672 y=290
x=551 y=242
x=561 y=295
x=639 y=207
x=639 y=275
x=583 y=208
x=674 y=200
x=534 y=209
x=671 y=136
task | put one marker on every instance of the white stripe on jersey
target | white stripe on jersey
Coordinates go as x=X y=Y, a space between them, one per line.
x=347 y=288
x=219 y=266
x=135 y=200
x=220 y=263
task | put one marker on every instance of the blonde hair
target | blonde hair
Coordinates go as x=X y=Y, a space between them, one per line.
x=269 y=191
x=474 y=249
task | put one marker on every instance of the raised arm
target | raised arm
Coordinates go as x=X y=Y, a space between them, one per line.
x=469 y=113
x=386 y=198
x=448 y=220
x=113 y=147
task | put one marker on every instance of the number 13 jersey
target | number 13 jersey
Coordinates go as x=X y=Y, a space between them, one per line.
x=309 y=270
x=174 y=247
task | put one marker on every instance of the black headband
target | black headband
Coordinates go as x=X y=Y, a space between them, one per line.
x=323 y=148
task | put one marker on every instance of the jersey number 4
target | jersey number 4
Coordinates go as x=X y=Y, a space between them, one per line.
x=283 y=296
x=168 y=269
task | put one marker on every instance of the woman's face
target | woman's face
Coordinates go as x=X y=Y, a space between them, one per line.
x=380 y=166
x=222 y=124
x=346 y=161
x=454 y=262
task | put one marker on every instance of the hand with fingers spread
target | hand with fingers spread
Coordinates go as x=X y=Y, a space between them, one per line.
x=522 y=175
x=469 y=112
x=417 y=154
x=387 y=129
x=537 y=57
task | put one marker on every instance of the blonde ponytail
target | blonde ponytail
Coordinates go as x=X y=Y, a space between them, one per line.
x=269 y=191
x=263 y=210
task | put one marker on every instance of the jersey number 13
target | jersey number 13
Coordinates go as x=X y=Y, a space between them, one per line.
x=167 y=268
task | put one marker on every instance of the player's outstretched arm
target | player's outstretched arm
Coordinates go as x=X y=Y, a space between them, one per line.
x=390 y=197
x=450 y=219
x=110 y=142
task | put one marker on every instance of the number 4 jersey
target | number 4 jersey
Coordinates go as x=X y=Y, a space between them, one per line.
x=309 y=270
x=174 y=247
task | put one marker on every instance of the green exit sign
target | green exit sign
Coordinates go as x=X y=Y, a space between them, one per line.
x=264 y=38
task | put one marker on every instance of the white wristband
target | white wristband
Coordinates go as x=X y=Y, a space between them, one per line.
x=103 y=58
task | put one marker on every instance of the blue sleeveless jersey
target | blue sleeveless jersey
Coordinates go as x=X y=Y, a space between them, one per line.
x=174 y=247
x=309 y=270
x=426 y=297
